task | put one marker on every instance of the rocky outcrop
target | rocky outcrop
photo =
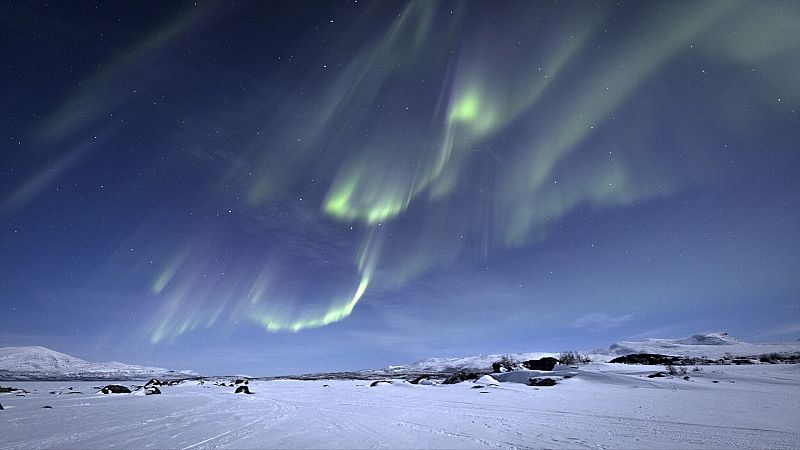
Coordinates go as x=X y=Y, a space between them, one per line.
x=243 y=390
x=546 y=363
x=462 y=376
x=115 y=389
x=416 y=380
x=649 y=359
x=152 y=390
x=501 y=367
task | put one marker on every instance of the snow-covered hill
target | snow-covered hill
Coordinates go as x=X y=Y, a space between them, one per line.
x=482 y=363
x=708 y=345
x=40 y=363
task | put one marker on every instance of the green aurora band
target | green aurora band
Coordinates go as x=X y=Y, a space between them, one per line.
x=447 y=175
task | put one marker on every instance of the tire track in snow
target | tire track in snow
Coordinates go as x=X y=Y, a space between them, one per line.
x=279 y=413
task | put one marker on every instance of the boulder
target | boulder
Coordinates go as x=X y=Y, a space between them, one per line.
x=461 y=376
x=656 y=375
x=418 y=379
x=152 y=390
x=242 y=390
x=153 y=382
x=8 y=389
x=542 y=382
x=547 y=363
x=501 y=366
x=375 y=383
x=47 y=407
x=1 y=407
x=115 y=389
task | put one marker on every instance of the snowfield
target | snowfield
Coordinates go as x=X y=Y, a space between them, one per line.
x=599 y=405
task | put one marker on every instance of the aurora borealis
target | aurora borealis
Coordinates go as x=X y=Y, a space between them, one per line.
x=303 y=186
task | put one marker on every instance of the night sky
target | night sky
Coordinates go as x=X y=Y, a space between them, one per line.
x=284 y=187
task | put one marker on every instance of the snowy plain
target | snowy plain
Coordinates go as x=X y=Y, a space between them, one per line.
x=600 y=406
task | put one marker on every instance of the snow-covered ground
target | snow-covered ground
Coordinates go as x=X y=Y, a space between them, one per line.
x=600 y=406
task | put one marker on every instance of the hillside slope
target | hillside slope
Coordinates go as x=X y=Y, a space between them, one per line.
x=40 y=363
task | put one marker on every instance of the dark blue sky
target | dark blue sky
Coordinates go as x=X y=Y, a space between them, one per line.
x=268 y=187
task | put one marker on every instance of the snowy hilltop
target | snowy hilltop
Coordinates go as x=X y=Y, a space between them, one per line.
x=708 y=345
x=40 y=363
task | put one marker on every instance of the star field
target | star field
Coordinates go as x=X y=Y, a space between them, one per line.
x=301 y=186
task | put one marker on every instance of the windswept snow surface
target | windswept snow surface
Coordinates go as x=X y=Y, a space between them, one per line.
x=709 y=345
x=599 y=406
x=40 y=363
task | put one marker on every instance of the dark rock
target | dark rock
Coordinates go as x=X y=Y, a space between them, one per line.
x=501 y=366
x=742 y=361
x=115 y=389
x=47 y=407
x=152 y=390
x=375 y=383
x=687 y=378
x=418 y=379
x=656 y=375
x=542 y=382
x=242 y=390
x=715 y=381
x=649 y=359
x=546 y=363
x=477 y=386
x=7 y=389
x=325 y=385
x=238 y=381
x=1 y=407
x=153 y=382
x=461 y=376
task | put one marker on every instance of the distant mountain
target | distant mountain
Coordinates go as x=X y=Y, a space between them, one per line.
x=40 y=363
x=480 y=363
x=709 y=345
